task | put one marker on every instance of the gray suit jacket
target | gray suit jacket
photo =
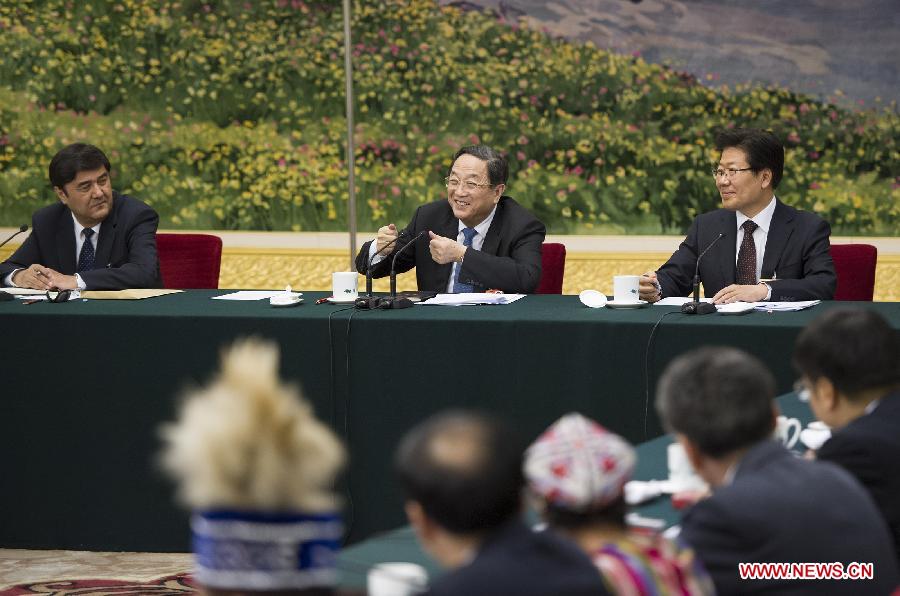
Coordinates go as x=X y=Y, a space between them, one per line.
x=781 y=508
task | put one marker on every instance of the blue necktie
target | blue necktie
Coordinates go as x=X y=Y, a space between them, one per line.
x=458 y=288
x=86 y=258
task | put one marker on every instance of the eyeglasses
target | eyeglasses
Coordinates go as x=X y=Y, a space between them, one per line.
x=453 y=183
x=801 y=390
x=62 y=296
x=727 y=173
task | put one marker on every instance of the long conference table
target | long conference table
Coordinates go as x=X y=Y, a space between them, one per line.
x=87 y=384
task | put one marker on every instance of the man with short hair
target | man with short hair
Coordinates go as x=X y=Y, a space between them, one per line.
x=767 y=505
x=759 y=248
x=93 y=239
x=462 y=474
x=478 y=239
x=849 y=361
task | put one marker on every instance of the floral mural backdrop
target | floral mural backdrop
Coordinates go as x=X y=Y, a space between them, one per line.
x=229 y=115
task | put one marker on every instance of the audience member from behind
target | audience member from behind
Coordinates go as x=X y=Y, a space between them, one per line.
x=257 y=469
x=849 y=361
x=92 y=239
x=767 y=505
x=462 y=474
x=577 y=470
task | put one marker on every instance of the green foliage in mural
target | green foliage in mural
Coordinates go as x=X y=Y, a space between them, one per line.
x=229 y=115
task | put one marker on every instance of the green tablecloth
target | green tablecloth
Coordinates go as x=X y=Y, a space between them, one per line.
x=87 y=384
x=401 y=544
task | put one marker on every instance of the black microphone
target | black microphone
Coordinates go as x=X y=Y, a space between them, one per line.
x=22 y=228
x=372 y=258
x=6 y=296
x=696 y=307
x=393 y=301
x=394 y=263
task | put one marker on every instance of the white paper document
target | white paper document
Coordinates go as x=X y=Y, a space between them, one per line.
x=249 y=295
x=785 y=306
x=466 y=299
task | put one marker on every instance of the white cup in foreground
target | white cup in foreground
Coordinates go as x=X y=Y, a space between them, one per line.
x=344 y=285
x=625 y=288
x=397 y=579
x=681 y=472
x=787 y=430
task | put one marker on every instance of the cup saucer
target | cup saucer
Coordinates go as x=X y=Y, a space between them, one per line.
x=284 y=301
x=628 y=304
x=336 y=300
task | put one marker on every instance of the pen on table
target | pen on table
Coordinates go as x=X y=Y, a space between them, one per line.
x=321 y=300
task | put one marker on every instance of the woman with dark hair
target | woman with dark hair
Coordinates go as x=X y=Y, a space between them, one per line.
x=577 y=472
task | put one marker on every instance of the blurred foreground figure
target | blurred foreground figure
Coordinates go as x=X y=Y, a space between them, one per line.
x=462 y=474
x=577 y=470
x=257 y=469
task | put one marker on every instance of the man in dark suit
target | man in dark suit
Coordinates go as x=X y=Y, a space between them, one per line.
x=93 y=239
x=767 y=505
x=849 y=361
x=759 y=248
x=462 y=474
x=477 y=239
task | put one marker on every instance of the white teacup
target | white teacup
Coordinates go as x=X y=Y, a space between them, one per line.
x=626 y=287
x=682 y=475
x=787 y=430
x=815 y=434
x=397 y=579
x=344 y=285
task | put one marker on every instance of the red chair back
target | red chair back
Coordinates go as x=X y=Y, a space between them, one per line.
x=189 y=261
x=553 y=265
x=855 y=268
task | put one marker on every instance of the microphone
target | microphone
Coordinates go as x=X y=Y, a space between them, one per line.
x=372 y=258
x=393 y=301
x=22 y=228
x=6 y=296
x=696 y=307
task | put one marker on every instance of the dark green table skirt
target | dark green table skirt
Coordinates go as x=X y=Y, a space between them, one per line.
x=85 y=386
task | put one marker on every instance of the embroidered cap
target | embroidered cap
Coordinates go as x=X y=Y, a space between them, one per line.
x=577 y=464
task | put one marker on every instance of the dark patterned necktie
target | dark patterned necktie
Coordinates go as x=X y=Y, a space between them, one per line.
x=745 y=275
x=86 y=258
x=459 y=288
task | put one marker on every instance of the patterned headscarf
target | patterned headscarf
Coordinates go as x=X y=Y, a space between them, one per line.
x=579 y=465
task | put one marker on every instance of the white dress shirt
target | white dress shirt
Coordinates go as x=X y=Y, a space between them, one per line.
x=79 y=242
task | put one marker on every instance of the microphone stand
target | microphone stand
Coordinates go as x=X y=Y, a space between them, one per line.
x=22 y=228
x=696 y=307
x=394 y=301
x=6 y=296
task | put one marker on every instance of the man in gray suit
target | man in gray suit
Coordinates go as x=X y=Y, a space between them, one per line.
x=767 y=505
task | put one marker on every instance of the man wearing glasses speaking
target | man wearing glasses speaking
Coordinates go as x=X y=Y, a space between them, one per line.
x=477 y=239
x=759 y=249
x=93 y=239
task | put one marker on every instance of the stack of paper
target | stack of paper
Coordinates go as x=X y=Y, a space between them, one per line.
x=472 y=298
x=785 y=306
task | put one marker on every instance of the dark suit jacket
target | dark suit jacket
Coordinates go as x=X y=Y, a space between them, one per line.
x=797 y=254
x=126 y=247
x=518 y=562
x=509 y=260
x=782 y=508
x=869 y=448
